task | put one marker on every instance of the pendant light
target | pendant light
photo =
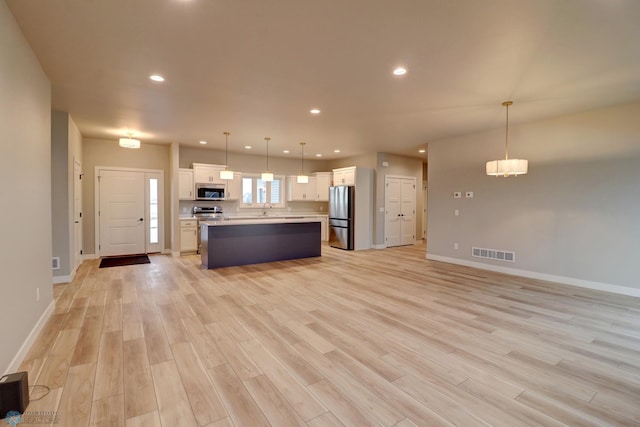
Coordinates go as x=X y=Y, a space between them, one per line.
x=267 y=176
x=129 y=142
x=302 y=178
x=507 y=167
x=226 y=173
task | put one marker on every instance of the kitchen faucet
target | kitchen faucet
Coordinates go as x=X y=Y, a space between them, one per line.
x=264 y=208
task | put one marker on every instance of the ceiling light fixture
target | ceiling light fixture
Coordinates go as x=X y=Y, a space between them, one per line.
x=203 y=142
x=336 y=151
x=156 y=78
x=507 y=167
x=247 y=147
x=400 y=71
x=285 y=151
x=128 y=142
x=267 y=176
x=302 y=178
x=422 y=150
x=226 y=173
x=315 y=111
x=318 y=155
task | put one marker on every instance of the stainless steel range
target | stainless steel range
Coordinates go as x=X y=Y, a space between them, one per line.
x=206 y=213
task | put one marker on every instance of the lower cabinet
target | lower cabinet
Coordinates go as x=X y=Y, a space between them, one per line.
x=324 y=226
x=188 y=236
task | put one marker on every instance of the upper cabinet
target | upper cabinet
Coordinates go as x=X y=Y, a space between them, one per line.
x=185 y=184
x=316 y=190
x=205 y=173
x=323 y=181
x=344 y=176
x=302 y=192
x=234 y=187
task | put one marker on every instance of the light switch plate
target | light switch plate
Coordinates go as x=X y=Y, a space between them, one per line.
x=469 y=195
x=457 y=195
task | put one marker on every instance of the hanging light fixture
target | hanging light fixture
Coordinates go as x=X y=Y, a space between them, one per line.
x=267 y=176
x=129 y=142
x=302 y=178
x=226 y=173
x=507 y=167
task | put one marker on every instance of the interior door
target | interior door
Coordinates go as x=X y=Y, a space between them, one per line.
x=121 y=212
x=393 y=211
x=408 y=211
x=77 y=213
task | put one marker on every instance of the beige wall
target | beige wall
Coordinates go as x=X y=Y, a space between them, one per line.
x=252 y=163
x=574 y=215
x=101 y=152
x=25 y=174
x=66 y=146
x=398 y=166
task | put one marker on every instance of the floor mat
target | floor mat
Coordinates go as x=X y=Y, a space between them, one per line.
x=118 y=261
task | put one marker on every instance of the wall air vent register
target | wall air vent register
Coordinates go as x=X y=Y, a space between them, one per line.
x=493 y=254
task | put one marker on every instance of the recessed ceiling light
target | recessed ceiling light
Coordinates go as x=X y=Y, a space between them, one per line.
x=336 y=151
x=247 y=147
x=400 y=71
x=318 y=155
x=203 y=142
x=285 y=151
x=422 y=150
x=156 y=78
x=314 y=111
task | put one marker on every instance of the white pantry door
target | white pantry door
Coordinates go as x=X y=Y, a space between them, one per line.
x=122 y=212
x=393 y=211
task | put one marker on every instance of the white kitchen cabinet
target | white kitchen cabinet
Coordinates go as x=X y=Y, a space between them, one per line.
x=234 y=187
x=188 y=235
x=185 y=184
x=302 y=192
x=324 y=227
x=323 y=182
x=344 y=176
x=205 y=173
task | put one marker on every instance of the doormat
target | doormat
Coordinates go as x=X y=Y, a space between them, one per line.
x=118 y=261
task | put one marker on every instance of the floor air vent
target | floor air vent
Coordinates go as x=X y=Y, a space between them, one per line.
x=55 y=263
x=493 y=254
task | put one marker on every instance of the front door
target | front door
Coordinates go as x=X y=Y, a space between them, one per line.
x=122 y=212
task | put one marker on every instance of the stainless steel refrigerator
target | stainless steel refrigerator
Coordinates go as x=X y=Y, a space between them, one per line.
x=341 y=216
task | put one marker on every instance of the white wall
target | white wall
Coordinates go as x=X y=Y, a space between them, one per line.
x=575 y=215
x=25 y=190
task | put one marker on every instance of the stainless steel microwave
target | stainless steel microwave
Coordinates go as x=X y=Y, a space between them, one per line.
x=209 y=192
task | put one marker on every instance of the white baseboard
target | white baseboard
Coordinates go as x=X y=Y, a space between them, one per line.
x=379 y=246
x=175 y=254
x=90 y=256
x=62 y=279
x=598 y=286
x=26 y=345
x=166 y=252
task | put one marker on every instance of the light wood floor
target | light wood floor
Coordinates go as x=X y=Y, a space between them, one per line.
x=380 y=337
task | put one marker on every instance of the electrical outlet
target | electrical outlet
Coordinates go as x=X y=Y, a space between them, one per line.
x=456 y=246
x=456 y=212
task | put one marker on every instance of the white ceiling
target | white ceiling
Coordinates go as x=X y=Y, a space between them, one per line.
x=257 y=67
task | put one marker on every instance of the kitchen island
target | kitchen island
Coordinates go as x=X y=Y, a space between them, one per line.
x=231 y=242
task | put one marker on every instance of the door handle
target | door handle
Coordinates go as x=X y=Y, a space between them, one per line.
x=77 y=222
x=141 y=219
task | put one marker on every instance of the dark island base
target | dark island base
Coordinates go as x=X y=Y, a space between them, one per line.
x=243 y=244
